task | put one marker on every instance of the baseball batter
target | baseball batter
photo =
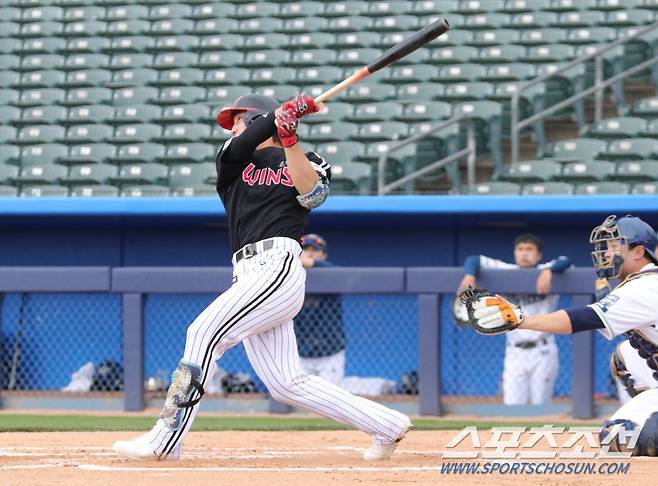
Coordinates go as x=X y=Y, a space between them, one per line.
x=531 y=357
x=623 y=248
x=268 y=186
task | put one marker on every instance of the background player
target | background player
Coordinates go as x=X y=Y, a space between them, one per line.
x=319 y=325
x=624 y=249
x=268 y=186
x=531 y=357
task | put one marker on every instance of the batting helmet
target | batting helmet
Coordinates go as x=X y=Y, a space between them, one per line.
x=629 y=230
x=254 y=104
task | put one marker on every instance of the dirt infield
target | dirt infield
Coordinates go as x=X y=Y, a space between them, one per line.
x=265 y=458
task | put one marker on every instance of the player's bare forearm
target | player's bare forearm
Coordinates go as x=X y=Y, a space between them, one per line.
x=302 y=172
x=557 y=322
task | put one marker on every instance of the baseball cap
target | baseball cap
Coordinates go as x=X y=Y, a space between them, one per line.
x=314 y=241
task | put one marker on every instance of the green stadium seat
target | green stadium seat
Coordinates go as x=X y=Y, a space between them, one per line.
x=515 y=71
x=41 y=79
x=425 y=111
x=10 y=78
x=614 y=128
x=412 y=73
x=134 y=44
x=138 y=133
x=47 y=28
x=87 y=78
x=343 y=40
x=41 y=62
x=130 y=60
x=333 y=111
x=87 y=96
x=532 y=171
x=532 y=20
x=86 y=61
x=399 y=163
x=549 y=53
x=8 y=191
x=575 y=19
x=605 y=187
x=80 y=45
x=36 y=45
x=9 y=115
x=650 y=130
x=95 y=190
x=13 y=97
x=500 y=54
x=535 y=37
x=418 y=92
x=89 y=114
x=331 y=132
x=190 y=153
x=173 y=60
x=124 y=12
x=395 y=23
x=44 y=191
x=200 y=190
x=454 y=54
x=587 y=171
x=141 y=173
x=351 y=178
x=176 y=43
x=271 y=40
x=45 y=153
x=341 y=152
x=351 y=23
x=485 y=21
x=516 y=6
x=548 y=189
x=184 y=114
x=89 y=174
x=8 y=134
x=78 y=11
x=632 y=149
x=213 y=26
x=578 y=149
x=127 y=27
x=476 y=90
x=303 y=25
x=225 y=95
x=590 y=35
x=317 y=40
x=134 y=96
x=10 y=29
x=362 y=93
x=488 y=127
x=11 y=14
x=92 y=153
x=9 y=154
x=311 y=57
x=40 y=174
x=268 y=75
x=184 y=132
x=381 y=8
x=138 y=113
x=304 y=76
x=220 y=59
x=637 y=171
x=345 y=8
x=453 y=37
x=189 y=175
x=87 y=28
x=646 y=108
x=628 y=17
x=483 y=38
x=357 y=57
x=569 y=5
x=563 y=85
x=260 y=25
x=48 y=114
x=252 y=10
x=11 y=45
x=212 y=10
x=648 y=4
x=380 y=131
x=172 y=11
x=475 y=7
x=225 y=76
x=454 y=73
x=646 y=188
x=34 y=134
x=381 y=111
x=88 y=133
x=130 y=78
x=138 y=153
x=494 y=188
x=300 y=9
x=218 y=136
x=145 y=191
x=8 y=173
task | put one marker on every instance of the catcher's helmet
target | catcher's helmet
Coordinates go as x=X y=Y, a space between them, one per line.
x=629 y=230
x=254 y=104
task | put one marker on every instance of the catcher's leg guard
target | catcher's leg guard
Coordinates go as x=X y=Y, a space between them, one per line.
x=640 y=413
x=620 y=371
x=184 y=383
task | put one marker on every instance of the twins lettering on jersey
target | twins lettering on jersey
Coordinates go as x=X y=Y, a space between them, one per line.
x=266 y=176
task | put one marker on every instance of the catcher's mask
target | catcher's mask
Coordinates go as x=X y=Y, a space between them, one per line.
x=254 y=105
x=609 y=238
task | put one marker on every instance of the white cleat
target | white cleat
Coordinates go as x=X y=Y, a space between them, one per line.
x=140 y=449
x=380 y=450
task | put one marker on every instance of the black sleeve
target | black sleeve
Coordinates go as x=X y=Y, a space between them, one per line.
x=584 y=319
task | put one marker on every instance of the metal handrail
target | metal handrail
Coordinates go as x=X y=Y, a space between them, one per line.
x=469 y=152
x=598 y=88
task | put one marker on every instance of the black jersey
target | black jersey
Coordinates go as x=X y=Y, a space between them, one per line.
x=256 y=188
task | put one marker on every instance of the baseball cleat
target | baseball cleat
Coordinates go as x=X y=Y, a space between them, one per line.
x=140 y=449
x=380 y=450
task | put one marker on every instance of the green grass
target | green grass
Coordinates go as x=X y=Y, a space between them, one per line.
x=78 y=423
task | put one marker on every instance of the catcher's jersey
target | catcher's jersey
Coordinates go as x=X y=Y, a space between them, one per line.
x=532 y=304
x=260 y=198
x=633 y=304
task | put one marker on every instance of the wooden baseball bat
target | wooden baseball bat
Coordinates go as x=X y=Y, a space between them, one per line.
x=398 y=51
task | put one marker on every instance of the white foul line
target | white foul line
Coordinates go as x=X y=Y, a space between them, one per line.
x=96 y=467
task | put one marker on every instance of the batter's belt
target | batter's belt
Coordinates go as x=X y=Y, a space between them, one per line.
x=252 y=249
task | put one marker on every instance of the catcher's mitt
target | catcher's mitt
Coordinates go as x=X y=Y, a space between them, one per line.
x=489 y=313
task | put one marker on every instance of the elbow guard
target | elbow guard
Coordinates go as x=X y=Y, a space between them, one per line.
x=316 y=196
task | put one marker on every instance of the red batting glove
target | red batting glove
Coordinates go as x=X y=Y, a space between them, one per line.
x=301 y=105
x=287 y=124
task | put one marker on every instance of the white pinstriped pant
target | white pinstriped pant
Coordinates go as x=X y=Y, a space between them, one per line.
x=257 y=310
